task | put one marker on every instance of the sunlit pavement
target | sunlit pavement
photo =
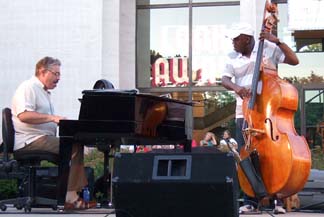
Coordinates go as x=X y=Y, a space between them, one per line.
x=288 y=214
x=11 y=212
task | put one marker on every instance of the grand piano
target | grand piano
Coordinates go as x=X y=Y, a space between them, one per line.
x=110 y=118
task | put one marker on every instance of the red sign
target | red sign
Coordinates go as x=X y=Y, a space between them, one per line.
x=172 y=72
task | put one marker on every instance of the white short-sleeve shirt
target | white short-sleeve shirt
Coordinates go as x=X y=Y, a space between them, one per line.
x=31 y=96
x=241 y=67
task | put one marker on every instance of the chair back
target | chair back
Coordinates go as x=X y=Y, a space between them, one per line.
x=103 y=84
x=27 y=157
x=8 y=133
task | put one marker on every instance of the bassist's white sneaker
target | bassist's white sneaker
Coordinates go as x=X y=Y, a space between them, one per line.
x=247 y=209
x=279 y=210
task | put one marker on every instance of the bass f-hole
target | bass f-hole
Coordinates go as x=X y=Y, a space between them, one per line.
x=268 y=120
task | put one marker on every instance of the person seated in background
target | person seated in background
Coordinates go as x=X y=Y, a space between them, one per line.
x=227 y=140
x=318 y=140
x=143 y=148
x=35 y=125
x=209 y=140
x=194 y=143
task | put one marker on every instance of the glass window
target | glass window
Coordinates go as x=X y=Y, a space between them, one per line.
x=284 y=33
x=309 y=45
x=194 y=1
x=307 y=16
x=306 y=67
x=314 y=108
x=148 y=2
x=162 y=47
x=209 y=44
x=212 y=111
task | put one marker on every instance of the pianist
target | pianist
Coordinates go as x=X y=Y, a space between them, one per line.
x=35 y=125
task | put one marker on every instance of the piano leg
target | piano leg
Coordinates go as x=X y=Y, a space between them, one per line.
x=103 y=183
x=64 y=169
x=110 y=204
x=106 y=176
x=108 y=173
x=187 y=146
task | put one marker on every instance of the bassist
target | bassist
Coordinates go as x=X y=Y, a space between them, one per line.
x=240 y=65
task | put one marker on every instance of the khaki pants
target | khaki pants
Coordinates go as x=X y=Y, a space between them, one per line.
x=77 y=177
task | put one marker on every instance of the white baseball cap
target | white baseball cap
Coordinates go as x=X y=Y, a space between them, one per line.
x=240 y=28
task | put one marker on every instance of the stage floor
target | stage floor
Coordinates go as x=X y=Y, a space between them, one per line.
x=12 y=212
x=288 y=214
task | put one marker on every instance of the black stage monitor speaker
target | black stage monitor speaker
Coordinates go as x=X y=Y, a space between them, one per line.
x=175 y=185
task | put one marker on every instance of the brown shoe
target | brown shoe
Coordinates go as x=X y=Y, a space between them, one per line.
x=79 y=204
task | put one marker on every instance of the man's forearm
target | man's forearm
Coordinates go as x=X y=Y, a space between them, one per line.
x=290 y=56
x=228 y=84
x=31 y=117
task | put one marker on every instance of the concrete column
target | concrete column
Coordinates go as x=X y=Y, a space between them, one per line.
x=143 y=49
x=127 y=35
x=110 y=41
x=118 y=42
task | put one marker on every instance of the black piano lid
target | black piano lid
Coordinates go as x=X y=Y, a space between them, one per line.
x=131 y=92
x=109 y=92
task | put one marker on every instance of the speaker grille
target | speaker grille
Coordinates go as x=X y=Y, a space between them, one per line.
x=166 y=185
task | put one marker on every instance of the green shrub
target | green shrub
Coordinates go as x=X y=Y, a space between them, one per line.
x=8 y=189
x=95 y=160
x=317 y=158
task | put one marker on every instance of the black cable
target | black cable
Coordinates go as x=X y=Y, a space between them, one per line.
x=124 y=211
x=269 y=213
x=260 y=208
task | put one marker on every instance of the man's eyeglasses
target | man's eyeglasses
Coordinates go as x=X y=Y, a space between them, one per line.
x=57 y=74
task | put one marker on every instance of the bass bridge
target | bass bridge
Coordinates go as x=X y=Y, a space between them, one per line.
x=248 y=133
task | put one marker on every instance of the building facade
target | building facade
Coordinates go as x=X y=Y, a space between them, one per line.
x=174 y=47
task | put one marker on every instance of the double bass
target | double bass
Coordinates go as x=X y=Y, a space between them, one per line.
x=283 y=157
